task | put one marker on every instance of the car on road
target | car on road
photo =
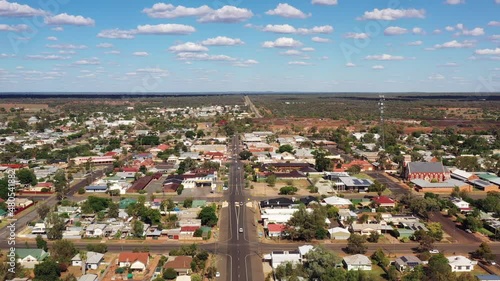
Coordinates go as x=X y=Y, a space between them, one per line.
x=492 y=262
x=434 y=251
x=239 y=168
x=241 y=203
x=217 y=274
x=241 y=229
x=468 y=231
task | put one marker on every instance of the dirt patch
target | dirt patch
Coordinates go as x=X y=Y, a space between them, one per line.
x=26 y=106
x=262 y=189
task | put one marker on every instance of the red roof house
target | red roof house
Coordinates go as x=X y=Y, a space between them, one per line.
x=275 y=230
x=384 y=201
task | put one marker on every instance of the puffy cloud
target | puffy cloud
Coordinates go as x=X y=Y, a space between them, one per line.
x=354 y=35
x=66 y=46
x=283 y=42
x=204 y=13
x=58 y=28
x=455 y=45
x=298 y=63
x=227 y=14
x=308 y=49
x=384 y=57
x=169 y=28
x=8 y=9
x=437 y=31
x=203 y=57
x=494 y=23
x=188 y=47
x=245 y=63
x=449 y=64
x=116 y=34
x=324 y=2
x=113 y=52
x=14 y=28
x=140 y=54
x=46 y=57
x=52 y=38
x=287 y=11
x=415 y=43
x=449 y=28
x=495 y=51
x=350 y=64
x=222 y=41
x=392 y=14
x=152 y=71
x=417 y=30
x=288 y=29
x=320 y=39
x=436 y=76
x=65 y=19
x=455 y=2
x=104 y=45
x=395 y=30
x=478 y=31
x=378 y=67
x=91 y=61
x=291 y=53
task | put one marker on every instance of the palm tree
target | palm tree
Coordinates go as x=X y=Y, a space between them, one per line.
x=83 y=257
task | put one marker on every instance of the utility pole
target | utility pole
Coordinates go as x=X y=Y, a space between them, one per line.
x=381 y=108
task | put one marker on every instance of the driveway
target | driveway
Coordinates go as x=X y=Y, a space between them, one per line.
x=458 y=234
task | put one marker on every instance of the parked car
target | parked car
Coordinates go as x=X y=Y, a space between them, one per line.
x=468 y=231
x=434 y=251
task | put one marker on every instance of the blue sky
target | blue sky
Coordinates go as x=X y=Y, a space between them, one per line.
x=222 y=45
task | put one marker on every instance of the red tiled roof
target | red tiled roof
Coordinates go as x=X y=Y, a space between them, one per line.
x=180 y=262
x=110 y=153
x=189 y=228
x=13 y=166
x=130 y=169
x=276 y=228
x=383 y=200
x=132 y=257
x=44 y=184
x=163 y=147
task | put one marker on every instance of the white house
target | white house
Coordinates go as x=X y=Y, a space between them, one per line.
x=357 y=262
x=281 y=257
x=136 y=261
x=93 y=260
x=95 y=230
x=337 y=202
x=462 y=205
x=461 y=264
x=88 y=277
x=339 y=233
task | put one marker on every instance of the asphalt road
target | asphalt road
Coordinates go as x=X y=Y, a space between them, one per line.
x=396 y=189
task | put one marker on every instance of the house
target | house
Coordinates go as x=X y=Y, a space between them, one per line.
x=463 y=175
x=336 y=201
x=461 y=264
x=181 y=264
x=275 y=230
x=95 y=230
x=28 y=258
x=462 y=205
x=357 y=262
x=277 y=203
x=280 y=257
x=368 y=228
x=488 y=277
x=96 y=188
x=384 y=201
x=136 y=261
x=426 y=171
x=189 y=230
x=353 y=184
x=346 y=214
x=93 y=260
x=446 y=186
x=339 y=233
x=88 y=277
x=407 y=262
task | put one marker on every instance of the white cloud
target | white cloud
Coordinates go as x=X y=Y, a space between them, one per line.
x=494 y=23
x=449 y=64
x=449 y=28
x=58 y=28
x=415 y=43
x=308 y=49
x=436 y=76
x=288 y=29
x=384 y=57
x=350 y=64
x=67 y=52
x=91 y=61
x=104 y=45
x=65 y=19
x=320 y=39
x=455 y=45
x=46 y=57
x=287 y=11
x=495 y=51
x=245 y=63
x=169 y=28
x=378 y=67
x=354 y=35
x=140 y=54
x=153 y=71
x=495 y=37
x=291 y=53
x=222 y=41
x=3 y=55
x=298 y=63
x=437 y=31
x=227 y=14
x=203 y=57
x=188 y=47
x=113 y=52
x=14 y=28
x=324 y=2
x=52 y=38
x=418 y=30
x=455 y=2
x=478 y=31
x=395 y=30
x=116 y=34
x=8 y=9
x=392 y=14
x=66 y=46
x=283 y=42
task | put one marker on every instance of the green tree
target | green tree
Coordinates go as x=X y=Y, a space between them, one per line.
x=113 y=210
x=63 y=251
x=393 y=274
x=245 y=155
x=380 y=258
x=48 y=270
x=473 y=223
x=43 y=210
x=288 y=190
x=439 y=269
x=170 y=274
x=188 y=202
x=305 y=226
x=484 y=252
x=322 y=163
x=374 y=236
x=26 y=176
x=417 y=274
x=60 y=181
x=57 y=226
x=468 y=163
x=40 y=243
x=208 y=216
x=196 y=277
x=271 y=180
x=354 y=169
x=319 y=261
x=98 y=248
x=356 y=244
x=435 y=230
x=138 y=228
x=286 y=148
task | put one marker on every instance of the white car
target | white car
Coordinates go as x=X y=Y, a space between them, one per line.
x=241 y=229
x=217 y=274
x=434 y=251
